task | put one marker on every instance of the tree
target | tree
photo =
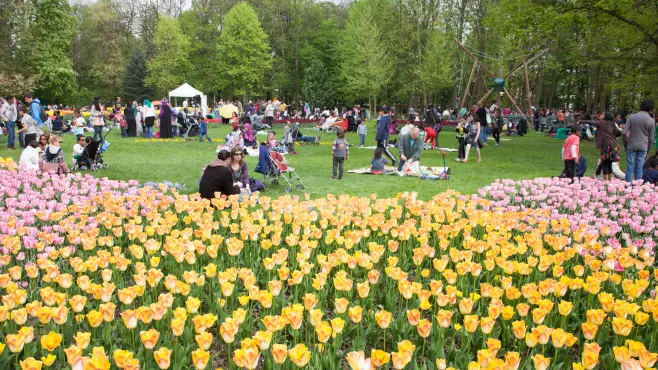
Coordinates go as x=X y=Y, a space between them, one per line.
x=365 y=66
x=246 y=53
x=134 y=78
x=317 y=88
x=170 y=66
x=47 y=50
x=202 y=27
x=102 y=47
x=436 y=64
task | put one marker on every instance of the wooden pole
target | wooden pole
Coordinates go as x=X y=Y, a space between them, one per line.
x=529 y=61
x=513 y=102
x=468 y=84
x=527 y=85
x=485 y=97
x=484 y=68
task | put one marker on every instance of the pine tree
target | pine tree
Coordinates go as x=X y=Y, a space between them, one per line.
x=245 y=52
x=134 y=79
x=170 y=66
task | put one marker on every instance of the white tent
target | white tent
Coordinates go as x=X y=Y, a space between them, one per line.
x=187 y=91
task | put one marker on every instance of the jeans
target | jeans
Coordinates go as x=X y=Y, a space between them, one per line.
x=148 y=132
x=98 y=131
x=203 y=135
x=11 y=133
x=338 y=164
x=21 y=139
x=123 y=132
x=362 y=139
x=634 y=163
x=308 y=139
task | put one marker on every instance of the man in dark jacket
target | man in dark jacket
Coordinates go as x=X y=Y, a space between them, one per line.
x=382 y=132
x=218 y=178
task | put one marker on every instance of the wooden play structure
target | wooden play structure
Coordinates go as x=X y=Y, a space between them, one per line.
x=499 y=82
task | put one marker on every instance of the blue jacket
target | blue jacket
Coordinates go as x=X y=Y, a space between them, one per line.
x=35 y=111
x=382 y=128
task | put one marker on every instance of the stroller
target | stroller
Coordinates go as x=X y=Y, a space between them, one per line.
x=273 y=166
x=92 y=156
x=190 y=127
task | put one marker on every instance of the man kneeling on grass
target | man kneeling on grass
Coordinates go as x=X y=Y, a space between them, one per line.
x=409 y=147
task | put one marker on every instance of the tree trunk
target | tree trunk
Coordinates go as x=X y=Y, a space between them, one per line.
x=296 y=55
x=550 y=96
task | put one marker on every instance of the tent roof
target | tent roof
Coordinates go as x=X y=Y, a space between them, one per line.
x=185 y=91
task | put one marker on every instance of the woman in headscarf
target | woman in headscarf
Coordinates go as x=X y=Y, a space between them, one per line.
x=129 y=113
x=165 y=120
x=148 y=113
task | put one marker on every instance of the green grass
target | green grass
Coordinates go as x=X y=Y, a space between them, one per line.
x=531 y=156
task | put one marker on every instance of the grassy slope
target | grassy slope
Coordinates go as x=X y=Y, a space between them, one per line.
x=534 y=155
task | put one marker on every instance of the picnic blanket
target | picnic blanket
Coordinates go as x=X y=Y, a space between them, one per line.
x=388 y=170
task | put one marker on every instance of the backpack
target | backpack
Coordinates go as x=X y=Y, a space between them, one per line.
x=42 y=114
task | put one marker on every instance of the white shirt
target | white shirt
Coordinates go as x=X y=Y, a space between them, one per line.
x=30 y=123
x=78 y=149
x=148 y=111
x=184 y=103
x=30 y=159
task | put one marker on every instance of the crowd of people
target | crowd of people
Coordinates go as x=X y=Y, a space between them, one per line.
x=26 y=120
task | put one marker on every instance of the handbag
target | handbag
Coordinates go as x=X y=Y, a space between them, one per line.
x=505 y=127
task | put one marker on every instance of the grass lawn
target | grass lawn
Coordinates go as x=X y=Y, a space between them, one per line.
x=534 y=155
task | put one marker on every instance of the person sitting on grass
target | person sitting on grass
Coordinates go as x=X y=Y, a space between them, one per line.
x=272 y=143
x=53 y=157
x=650 y=174
x=218 y=178
x=78 y=148
x=378 y=164
x=30 y=157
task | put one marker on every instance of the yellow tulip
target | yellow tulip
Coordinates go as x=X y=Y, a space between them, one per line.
x=279 y=353
x=541 y=362
x=149 y=338
x=383 y=318
x=31 y=364
x=49 y=360
x=300 y=355
x=200 y=358
x=379 y=357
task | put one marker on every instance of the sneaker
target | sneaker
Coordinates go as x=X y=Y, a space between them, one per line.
x=317 y=139
x=334 y=178
x=497 y=144
x=458 y=159
x=360 y=146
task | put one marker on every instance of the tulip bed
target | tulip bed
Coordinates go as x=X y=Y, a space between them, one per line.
x=99 y=274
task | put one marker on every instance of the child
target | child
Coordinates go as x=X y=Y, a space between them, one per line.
x=571 y=152
x=340 y=151
x=362 y=129
x=462 y=129
x=378 y=162
x=29 y=124
x=271 y=140
x=123 y=124
x=203 y=131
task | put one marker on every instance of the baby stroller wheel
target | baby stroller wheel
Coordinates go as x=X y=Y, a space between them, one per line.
x=300 y=187
x=288 y=189
x=275 y=182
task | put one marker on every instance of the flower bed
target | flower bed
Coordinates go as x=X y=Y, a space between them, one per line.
x=98 y=272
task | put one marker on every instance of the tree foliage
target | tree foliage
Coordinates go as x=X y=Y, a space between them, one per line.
x=366 y=66
x=170 y=65
x=245 y=56
x=46 y=50
x=134 y=78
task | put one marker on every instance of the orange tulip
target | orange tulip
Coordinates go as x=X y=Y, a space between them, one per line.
x=622 y=326
x=31 y=364
x=424 y=328
x=279 y=353
x=204 y=340
x=340 y=304
x=162 y=357
x=471 y=323
x=300 y=355
x=356 y=314
x=200 y=358
x=487 y=324
x=383 y=318
x=15 y=342
x=379 y=357
x=149 y=338
x=247 y=357
x=413 y=317
x=443 y=317
x=589 y=330
x=541 y=362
